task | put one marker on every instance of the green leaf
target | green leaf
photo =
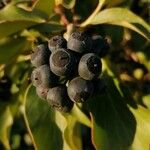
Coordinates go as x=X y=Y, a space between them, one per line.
x=9 y=50
x=146 y=100
x=71 y=131
x=49 y=28
x=14 y=19
x=6 y=121
x=122 y=17
x=70 y=127
x=80 y=116
x=68 y=3
x=115 y=126
x=13 y=13
x=45 y=6
x=113 y=3
x=72 y=135
x=16 y=26
x=141 y=140
x=39 y=118
x=7 y=28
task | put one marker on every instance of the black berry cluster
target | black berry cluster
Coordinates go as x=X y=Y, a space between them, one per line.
x=75 y=63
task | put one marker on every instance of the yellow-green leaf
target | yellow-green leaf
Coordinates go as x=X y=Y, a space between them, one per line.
x=8 y=27
x=121 y=17
x=6 y=121
x=71 y=131
x=14 y=13
x=46 y=6
x=142 y=137
x=69 y=123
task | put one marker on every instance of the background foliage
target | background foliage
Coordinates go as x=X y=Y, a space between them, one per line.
x=118 y=118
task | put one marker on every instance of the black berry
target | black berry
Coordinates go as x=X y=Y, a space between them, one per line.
x=80 y=90
x=57 y=98
x=79 y=42
x=57 y=42
x=62 y=62
x=42 y=92
x=40 y=56
x=100 y=46
x=42 y=76
x=90 y=66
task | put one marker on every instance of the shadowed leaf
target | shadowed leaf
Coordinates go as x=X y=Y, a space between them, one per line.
x=117 y=125
x=40 y=120
x=114 y=126
x=9 y=50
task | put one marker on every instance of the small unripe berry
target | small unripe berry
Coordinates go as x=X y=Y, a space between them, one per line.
x=100 y=46
x=80 y=90
x=79 y=42
x=57 y=98
x=62 y=62
x=40 y=56
x=42 y=76
x=90 y=66
x=57 y=42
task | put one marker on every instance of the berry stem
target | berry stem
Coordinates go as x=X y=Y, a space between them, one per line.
x=70 y=29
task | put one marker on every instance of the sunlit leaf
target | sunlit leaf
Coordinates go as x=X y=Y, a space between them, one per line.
x=13 y=13
x=146 y=100
x=14 y=19
x=142 y=136
x=72 y=132
x=6 y=121
x=121 y=17
x=70 y=129
x=72 y=135
x=7 y=28
x=39 y=119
